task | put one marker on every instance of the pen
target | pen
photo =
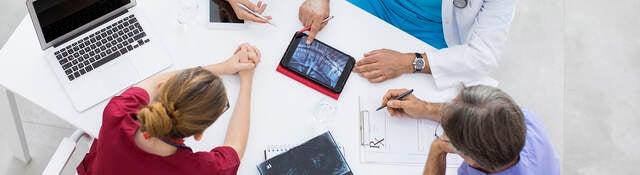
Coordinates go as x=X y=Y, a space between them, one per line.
x=245 y=8
x=309 y=27
x=400 y=97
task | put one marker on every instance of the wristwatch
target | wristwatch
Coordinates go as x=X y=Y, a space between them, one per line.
x=418 y=63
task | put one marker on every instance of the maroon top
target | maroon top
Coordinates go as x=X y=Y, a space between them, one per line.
x=117 y=153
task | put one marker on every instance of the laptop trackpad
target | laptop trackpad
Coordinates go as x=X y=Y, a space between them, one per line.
x=120 y=75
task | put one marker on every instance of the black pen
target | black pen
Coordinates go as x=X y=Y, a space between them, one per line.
x=400 y=97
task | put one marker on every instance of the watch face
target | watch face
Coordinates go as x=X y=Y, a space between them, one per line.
x=420 y=63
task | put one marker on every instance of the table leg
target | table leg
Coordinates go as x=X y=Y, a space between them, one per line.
x=15 y=132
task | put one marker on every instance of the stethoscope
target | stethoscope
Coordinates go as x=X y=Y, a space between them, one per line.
x=460 y=3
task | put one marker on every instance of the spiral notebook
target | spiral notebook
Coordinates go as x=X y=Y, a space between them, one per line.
x=273 y=150
x=320 y=155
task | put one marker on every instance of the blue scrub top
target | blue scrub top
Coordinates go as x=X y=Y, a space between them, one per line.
x=420 y=18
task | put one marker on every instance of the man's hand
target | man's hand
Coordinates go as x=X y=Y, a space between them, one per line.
x=244 y=15
x=410 y=106
x=383 y=64
x=437 y=159
x=312 y=13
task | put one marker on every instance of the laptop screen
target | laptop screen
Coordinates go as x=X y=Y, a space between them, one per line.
x=59 y=17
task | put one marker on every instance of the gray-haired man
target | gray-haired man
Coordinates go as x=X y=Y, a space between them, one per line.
x=486 y=128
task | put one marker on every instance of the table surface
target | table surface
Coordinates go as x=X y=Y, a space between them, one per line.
x=282 y=109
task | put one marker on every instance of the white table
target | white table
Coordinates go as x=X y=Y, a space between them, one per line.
x=281 y=107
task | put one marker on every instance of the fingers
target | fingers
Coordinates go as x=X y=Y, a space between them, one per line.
x=398 y=104
x=245 y=66
x=391 y=93
x=314 y=31
x=366 y=68
x=303 y=15
x=313 y=13
x=371 y=74
x=238 y=49
x=251 y=17
x=394 y=112
x=395 y=92
x=386 y=97
x=367 y=60
x=379 y=79
x=258 y=54
x=316 y=26
x=447 y=147
x=374 y=52
x=253 y=56
x=261 y=7
x=398 y=107
x=242 y=14
x=249 y=53
x=253 y=7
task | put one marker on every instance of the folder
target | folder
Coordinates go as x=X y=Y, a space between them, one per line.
x=308 y=82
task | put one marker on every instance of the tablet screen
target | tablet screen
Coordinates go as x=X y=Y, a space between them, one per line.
x=220 y=11
x=319 y=62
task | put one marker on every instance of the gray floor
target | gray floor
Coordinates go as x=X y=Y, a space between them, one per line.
x=570 y=61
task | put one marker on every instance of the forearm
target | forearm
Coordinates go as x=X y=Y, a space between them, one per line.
x=218 y=68
x=432 y=111
x=436 y=162
x=238 y=130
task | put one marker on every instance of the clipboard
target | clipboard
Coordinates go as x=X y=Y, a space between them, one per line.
x=393 y=140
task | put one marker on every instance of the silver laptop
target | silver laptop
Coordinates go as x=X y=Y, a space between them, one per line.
x=96 y=48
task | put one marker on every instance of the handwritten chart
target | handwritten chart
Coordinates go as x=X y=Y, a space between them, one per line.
x=395 y=140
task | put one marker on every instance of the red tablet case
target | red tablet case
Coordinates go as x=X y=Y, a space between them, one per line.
x=307 y=82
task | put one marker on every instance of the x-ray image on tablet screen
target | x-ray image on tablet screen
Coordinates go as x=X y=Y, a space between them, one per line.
x=319 y=62
x=221 y=15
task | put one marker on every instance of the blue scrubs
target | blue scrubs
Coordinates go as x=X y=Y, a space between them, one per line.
x=420 y=18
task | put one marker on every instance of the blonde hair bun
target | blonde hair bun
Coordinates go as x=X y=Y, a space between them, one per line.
x=155 y=120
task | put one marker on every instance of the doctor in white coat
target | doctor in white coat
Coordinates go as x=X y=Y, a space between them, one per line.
x=469 y=37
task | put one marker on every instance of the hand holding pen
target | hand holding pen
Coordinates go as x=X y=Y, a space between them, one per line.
x=312 y=13
x=410 y=105
x=246 y=10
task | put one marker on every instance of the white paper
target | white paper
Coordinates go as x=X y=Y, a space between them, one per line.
x=395 y=140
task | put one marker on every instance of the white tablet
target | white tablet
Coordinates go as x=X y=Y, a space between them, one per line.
x=222 y=16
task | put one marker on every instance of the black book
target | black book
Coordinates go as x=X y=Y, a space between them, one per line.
x=319 y=155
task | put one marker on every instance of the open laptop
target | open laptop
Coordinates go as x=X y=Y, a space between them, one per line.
x=96 y=48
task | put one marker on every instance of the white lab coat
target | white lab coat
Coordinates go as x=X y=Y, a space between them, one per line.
x=476 y=36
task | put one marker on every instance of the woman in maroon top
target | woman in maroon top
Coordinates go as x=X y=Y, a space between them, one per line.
x=143 y=128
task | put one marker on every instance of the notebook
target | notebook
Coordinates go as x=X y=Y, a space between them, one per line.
x=274 y=150
x=320 y=155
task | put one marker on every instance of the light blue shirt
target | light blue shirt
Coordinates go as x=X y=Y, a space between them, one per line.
x=536 y=158
x=420 y=18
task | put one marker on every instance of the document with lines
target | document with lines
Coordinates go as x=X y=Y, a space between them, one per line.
x=394 y=140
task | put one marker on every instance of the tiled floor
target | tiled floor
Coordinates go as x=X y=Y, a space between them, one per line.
x=572 y=62
x=11 y=12
x=43 y=132
x=602 y=96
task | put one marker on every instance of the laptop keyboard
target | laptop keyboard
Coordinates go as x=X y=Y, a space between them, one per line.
x=99 y=48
